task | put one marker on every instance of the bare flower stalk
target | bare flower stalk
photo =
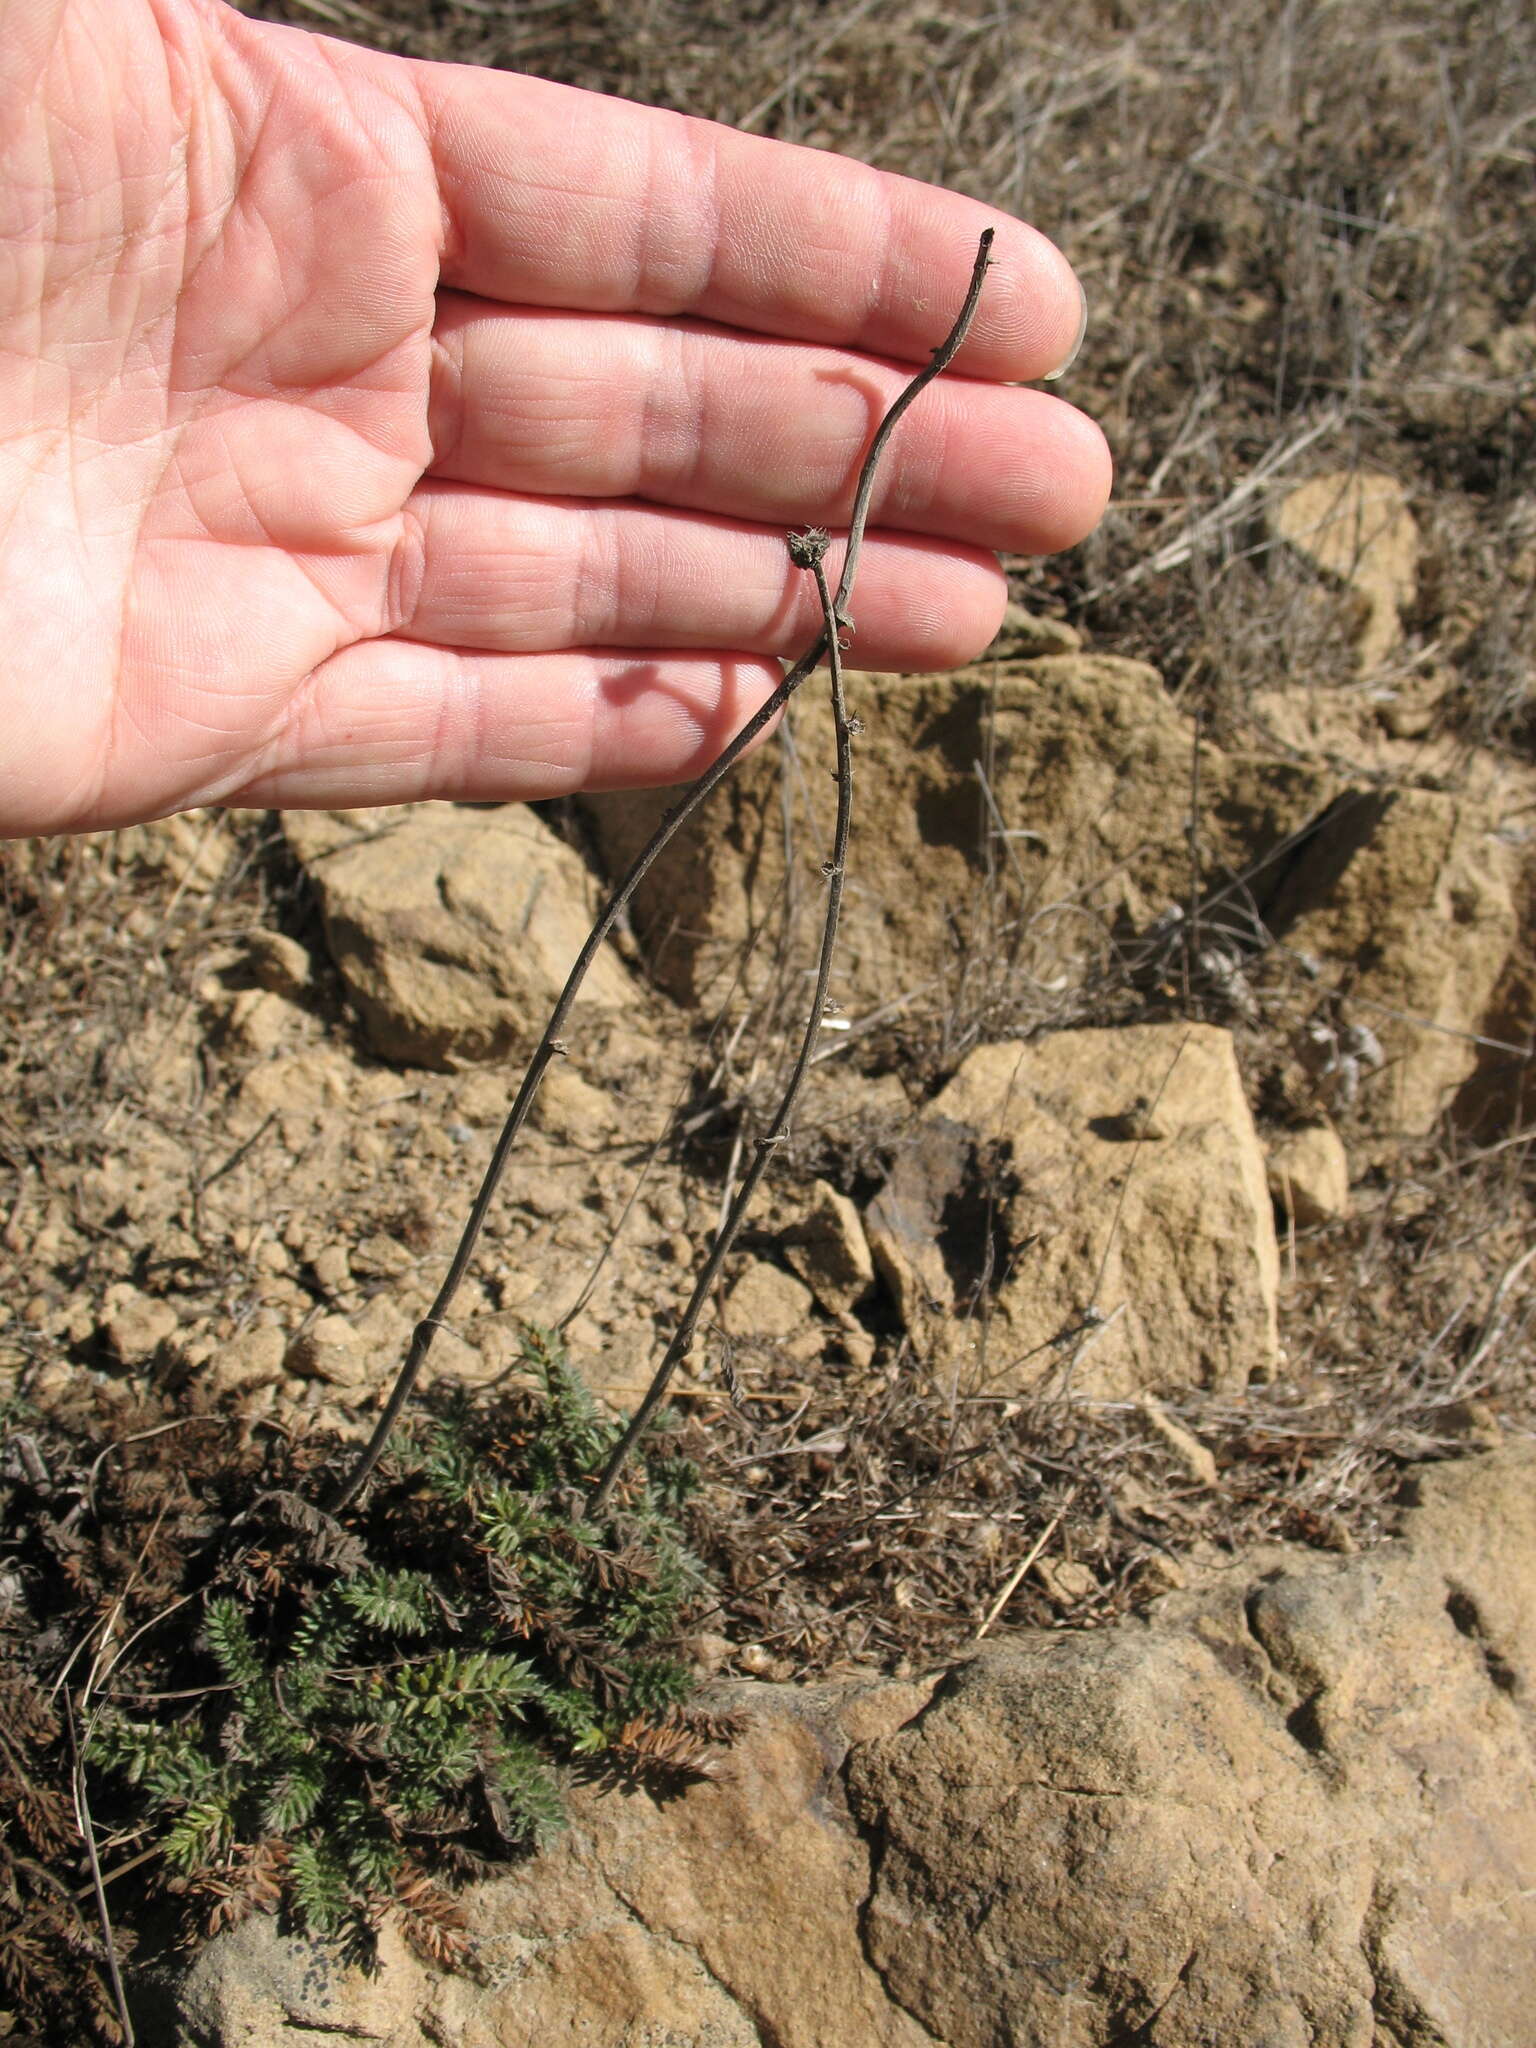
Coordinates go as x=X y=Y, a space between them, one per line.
x=835 y=617
x=806 y=551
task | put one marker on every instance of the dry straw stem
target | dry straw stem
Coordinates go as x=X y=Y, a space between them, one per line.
x=807 y=551
x=551 y=1043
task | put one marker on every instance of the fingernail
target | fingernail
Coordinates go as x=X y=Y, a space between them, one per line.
x=1082 y=329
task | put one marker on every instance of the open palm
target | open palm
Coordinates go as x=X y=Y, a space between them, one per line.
x=373 y=430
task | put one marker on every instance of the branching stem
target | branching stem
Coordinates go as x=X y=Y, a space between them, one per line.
x=551 y=1044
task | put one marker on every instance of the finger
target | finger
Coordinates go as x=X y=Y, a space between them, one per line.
x=575 y=404
x=386 y=721
x=480 y=569
x=554 y=197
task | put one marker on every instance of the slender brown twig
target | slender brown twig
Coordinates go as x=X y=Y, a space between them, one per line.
x=806 y=551
x=551 y=1043
x=87 y=1827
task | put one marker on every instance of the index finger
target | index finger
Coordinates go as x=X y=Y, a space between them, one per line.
x=557 y=197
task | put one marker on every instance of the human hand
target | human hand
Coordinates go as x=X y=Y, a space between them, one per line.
x=374 y=430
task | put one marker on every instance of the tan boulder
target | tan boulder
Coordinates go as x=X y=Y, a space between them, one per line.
x=330 y=1350
x=1292 y=1809
x=454 y=928
x=1024 y=635
x=1297 y=1811
x=1132 y=1239
x=765 y=1301
x=1079 y=844
x=278 y=963
x=1408 y=900
x=829 y=1251
x=135 y=1324
x=1082 y=749
x=259 y=1021
x=1309 y=1175
x=572 y=1110
x=718 y=1919
x=251 y=1360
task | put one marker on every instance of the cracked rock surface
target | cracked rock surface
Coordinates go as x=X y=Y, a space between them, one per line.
x=1295 y=1808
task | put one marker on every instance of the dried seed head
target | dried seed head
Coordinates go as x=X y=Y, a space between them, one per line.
x=806 y=549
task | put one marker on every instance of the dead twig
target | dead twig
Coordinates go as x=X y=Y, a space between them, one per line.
x=551 y=1043
x=807 y=550
x=88 y=1836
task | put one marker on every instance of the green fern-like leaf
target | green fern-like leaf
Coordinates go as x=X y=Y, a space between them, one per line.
x=448 y=1463
x=318 y=1886
x=530 y=1800
x=510 y=1520
x=371 y=1719
x=323 y=1637
x=199 y=1835
x=372 y=1857
x=570 y=1713
x=454 y=1680
x=400 y=1602
x=656 y=1683
x=293 y=1796
x=228 y=1636
x=573 y=1440
x=672 y=1482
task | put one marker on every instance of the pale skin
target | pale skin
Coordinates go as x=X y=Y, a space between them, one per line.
x=373 y=430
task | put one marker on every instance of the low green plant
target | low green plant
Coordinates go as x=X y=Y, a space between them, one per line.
x=360 y=1732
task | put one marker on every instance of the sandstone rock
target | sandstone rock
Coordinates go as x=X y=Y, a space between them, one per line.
x=452 y=1357
x=1297 y=1810
x=333 y=1268
x=1129 y=1263
x=1407 y=899
x=329 y=1350
x=1083 y=752
x=717 y=1920
x=1357 y=527
x=136 y=1324
x=1292 y=1809
x=1415 y=892
x=571 y=1109
x=1065 y=1581
x=278 y=963
x=765 y=1301
x=253 y=1359
x=1026 y=635
x=383 y=1328
x=454 y=929
x=258 y=1021
x=1309 y=1175
x=317 y=1080
x=828 y=1249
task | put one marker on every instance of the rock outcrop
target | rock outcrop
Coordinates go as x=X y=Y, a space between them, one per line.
x=1295 y=1807
x=1356 y=526
x=1095 y=1209
x=1041 y=813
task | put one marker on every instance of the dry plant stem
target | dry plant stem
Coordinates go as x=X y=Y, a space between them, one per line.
x=87 y=1828
x=725 y=1237
x=551 y=1043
